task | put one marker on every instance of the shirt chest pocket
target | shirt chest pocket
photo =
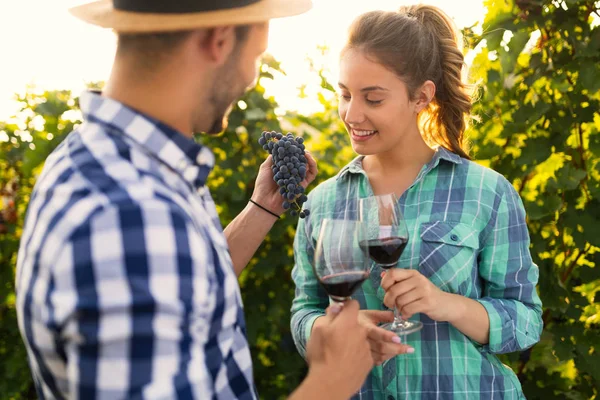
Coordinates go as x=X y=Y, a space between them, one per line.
x=448 y=255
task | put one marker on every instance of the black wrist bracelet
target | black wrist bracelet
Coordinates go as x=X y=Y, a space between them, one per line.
x=259 y=206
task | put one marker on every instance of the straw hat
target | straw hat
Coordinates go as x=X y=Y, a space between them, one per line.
x=176 y=15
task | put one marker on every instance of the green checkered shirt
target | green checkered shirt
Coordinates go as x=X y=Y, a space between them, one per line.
x=468 y=235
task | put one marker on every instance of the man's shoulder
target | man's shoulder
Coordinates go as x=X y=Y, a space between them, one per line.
x=79 y=184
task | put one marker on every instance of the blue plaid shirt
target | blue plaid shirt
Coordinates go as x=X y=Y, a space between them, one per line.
x=125 y=286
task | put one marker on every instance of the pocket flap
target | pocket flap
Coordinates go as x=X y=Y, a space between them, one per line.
x=452 y=233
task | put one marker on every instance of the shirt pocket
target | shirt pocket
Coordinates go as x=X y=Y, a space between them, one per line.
x=448 y=255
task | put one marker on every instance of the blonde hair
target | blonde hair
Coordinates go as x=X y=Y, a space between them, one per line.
x=420 y=43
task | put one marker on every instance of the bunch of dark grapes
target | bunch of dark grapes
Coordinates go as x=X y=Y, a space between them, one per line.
x=289 y=169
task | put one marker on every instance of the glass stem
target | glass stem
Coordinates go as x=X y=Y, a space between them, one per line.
x=398 y=321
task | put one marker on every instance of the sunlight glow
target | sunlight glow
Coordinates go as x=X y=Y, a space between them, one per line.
x=43 y=45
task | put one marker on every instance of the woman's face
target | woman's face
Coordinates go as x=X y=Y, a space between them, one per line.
x=374 y=105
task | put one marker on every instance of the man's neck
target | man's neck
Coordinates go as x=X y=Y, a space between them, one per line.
x=162 y=95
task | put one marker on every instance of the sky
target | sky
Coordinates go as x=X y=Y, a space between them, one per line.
x=44 y=46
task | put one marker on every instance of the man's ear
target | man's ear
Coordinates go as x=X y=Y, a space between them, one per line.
x=218 y=43
x=424 y=95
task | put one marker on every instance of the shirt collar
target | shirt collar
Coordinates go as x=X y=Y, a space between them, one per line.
x=441 y=153
x=182 y=154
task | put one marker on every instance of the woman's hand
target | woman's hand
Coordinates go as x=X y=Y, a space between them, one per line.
x=413 y=293
x=384 y=344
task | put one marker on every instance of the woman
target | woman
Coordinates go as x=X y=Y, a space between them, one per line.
x=466 y=273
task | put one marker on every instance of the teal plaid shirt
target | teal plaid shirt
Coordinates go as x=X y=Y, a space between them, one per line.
x=468 y=235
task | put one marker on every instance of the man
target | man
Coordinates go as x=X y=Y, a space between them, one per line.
x=126 y=282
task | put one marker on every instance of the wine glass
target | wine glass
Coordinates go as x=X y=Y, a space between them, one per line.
x=387 y=236
x=340 y=264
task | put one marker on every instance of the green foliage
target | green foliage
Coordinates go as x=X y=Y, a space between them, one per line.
x=539 y=127
x=25 y=141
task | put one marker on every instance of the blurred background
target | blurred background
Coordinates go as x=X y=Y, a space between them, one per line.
x=537 y=67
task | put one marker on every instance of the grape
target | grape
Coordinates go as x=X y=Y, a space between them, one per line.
x=289 y=168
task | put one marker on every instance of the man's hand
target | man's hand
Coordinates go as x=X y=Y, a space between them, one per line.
x=384 y=344
x=266 y=192
x=248 y=230
x=338 y=352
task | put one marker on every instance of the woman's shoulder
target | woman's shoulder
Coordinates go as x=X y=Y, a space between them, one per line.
x=482 y=176
x=329 y=186
x=323 y=189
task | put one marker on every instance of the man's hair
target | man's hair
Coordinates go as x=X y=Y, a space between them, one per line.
x=151 y=48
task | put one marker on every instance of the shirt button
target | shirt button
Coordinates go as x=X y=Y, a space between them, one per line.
x=205 y=157
x=454 y=238
x=201 y=190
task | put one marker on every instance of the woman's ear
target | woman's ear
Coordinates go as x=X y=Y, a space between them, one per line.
x=424 y=95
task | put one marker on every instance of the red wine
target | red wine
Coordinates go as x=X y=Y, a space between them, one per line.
x=385 y=251
x=342 y=285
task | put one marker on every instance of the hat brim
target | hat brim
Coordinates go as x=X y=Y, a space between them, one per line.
x=102 y=13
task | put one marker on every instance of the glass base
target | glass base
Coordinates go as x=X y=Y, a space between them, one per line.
x=339 y=299
x=403 y=327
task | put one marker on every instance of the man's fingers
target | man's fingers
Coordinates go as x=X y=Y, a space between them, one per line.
x=383 y=353
x=268 y=162
x=332 y=311
x=312 y=163
x=311 y=172
x=378 y=357
x=391 y=349
x=349 y=313
x=381 y=335
x=377 y=316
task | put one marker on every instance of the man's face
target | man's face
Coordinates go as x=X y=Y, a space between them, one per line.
x=239 y=73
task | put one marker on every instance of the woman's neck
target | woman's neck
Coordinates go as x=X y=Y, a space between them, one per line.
x=404 y=157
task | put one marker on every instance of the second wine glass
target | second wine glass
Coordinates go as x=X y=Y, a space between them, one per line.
x=340 y=264
x=387 y=236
